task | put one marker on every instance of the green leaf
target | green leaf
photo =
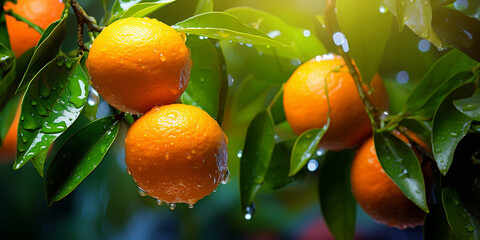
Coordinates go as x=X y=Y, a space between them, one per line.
x=47 y=49
x=431 y=105
x=249 y=98
x=78 y=157
x=400 y=10
x=304 y=147
x=436 y=226
x=303 y=42
x=7 y=74
x=464 y=225
x=417 y=15
x=401 y=164
x=53 y=101
x=276 y=108
x=458 y=30
x=256 y=155
x=277 y=174
x=204 y=6
x=443 y=70
x=469 y=106
x=224 y=26
x=7 y=114
x=4 y=38
x=337 y=202
x=449 y=127
x=208 y=83
x=7 y=58
x=39 y=161
x=367 y=31
x=135 y=8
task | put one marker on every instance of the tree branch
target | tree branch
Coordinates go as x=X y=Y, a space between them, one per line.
x=84 y=19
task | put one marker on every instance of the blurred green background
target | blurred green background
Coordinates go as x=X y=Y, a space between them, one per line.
x=106 y=205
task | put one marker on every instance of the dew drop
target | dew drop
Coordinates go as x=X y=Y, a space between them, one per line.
x=159 y=202
x=60 y=62
x=68 y=64
x=33 y=102
x=226 y=177
x=469 y=107
x=191 y=206
x=142 y=192
x=249 y=211
x=470 y=228
x=239 y=154
x=172 y=206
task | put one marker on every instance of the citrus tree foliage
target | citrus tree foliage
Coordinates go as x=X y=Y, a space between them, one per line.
x=444 y=107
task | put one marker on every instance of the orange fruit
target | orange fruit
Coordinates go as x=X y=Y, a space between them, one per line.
x=139 y=63
x=306 y=107
x=378 y=195
x=8 y=149
x=176 y=153
x=40 y=12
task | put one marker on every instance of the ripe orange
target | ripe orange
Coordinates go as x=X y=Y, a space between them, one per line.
x=40 y=12
x=8 y=149
x=138 y=63
x=378 y=195
x=176 y=153
x=306 y=107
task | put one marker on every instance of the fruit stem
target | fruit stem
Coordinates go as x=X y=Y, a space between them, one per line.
x=22 y=19
x=331 y=25
x=84 y=18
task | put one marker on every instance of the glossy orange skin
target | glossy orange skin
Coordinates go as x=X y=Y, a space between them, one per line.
x=40 y=12
x=305 y=102
x=139 y=63
x=8 y=149
x=176 y=153
x=378 y=195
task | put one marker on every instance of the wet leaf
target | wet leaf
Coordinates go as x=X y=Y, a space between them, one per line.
x=304 y=147
x=47 y=49
x=223 y=26
x=277 y=174
x=367 y=30
x=78 y=157
x=208 y=83
x=135 y=8
x=458 y=30
x=444 y=69
x=464 y=225
x=449 y=127
x=54 y=99
x=39 y=161
x=431 y=105
x=304 y=44
x=256 y=156
x=469 y=106
x=337 y=202
x=204 y=6
x=417 y=15
x=401 y=164
x=7 y=58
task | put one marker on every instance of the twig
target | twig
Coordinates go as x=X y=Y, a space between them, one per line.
x=84 y=19
x=22 y=19
x=332 y=27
